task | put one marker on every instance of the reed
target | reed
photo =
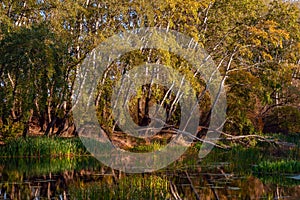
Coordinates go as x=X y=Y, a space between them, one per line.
x=282 y=166
x=42 y=146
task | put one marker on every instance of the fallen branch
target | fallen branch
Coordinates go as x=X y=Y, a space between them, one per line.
x=232 y=137
x=198 y=139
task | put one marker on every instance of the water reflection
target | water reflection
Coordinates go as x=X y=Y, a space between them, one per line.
x=86 y=178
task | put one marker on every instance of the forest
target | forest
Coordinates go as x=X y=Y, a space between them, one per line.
x=253 y=46
x=256 y=46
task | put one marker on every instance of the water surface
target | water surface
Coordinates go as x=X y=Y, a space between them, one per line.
x=219 y=176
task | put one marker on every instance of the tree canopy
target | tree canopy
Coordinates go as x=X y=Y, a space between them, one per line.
x=255 y=45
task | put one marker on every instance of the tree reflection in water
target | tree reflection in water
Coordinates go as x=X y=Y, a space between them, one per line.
x=86 y=178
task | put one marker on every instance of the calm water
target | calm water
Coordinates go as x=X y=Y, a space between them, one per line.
x=219 y=176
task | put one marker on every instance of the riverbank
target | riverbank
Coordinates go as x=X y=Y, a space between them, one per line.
x=258 y=170
x=281 y=155
x=35 y=147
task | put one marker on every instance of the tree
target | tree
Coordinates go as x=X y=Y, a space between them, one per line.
x=32 y=76
x=255 y=46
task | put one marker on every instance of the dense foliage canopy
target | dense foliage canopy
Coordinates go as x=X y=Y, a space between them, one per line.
x=255 y=44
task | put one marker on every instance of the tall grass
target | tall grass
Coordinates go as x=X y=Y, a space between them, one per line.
x=282 y=166
x=42 y=146
x=147 y=148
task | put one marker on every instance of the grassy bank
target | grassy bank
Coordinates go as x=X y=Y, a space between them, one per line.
x=42 y=147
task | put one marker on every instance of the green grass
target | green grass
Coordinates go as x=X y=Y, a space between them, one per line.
x=282 y=166
x=147 y=148
x=237 y=159
x=42 y=147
